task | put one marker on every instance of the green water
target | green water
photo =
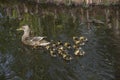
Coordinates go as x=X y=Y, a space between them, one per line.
x=21 y=62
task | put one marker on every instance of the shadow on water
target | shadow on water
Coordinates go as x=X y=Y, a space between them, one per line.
x=20 y=62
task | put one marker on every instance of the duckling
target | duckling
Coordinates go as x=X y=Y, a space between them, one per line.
x=67 y=57
x=62 y=50
x=53 y=53
x=54 y=45
x=51 y=46
x=75 y=46
x=79 y=52
x=82 y=38
x=59 y=43
x=47 y=47
x=67 y=45
x=79 y=41
x=75 y=38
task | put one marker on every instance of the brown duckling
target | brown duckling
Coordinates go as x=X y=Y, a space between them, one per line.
x=79 y=52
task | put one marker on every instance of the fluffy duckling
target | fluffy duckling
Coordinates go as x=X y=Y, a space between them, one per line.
x=59 y=43
x=83 y=39
x=66 y=56
x=62 y=50
x=75 y=38
x=47 y=47
x=79 y=52
x=51 y=46
x=76 y=46
x=67 y=45
x=54 y=45
x=79 y=41
x=53 y=52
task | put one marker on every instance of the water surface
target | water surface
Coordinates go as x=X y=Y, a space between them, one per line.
x=21 y=62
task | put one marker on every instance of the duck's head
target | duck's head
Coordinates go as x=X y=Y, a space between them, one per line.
x=24 y=28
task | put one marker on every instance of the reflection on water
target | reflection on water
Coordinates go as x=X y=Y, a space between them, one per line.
x=20 y=62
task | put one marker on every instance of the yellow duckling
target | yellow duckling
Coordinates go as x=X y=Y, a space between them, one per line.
x=54 y=45
x=75 y=38
x=53 y=53
x=47 y=47
x=66 y=56
x=79 y=52
x=82 y=38
x=59 y=43
x=51 y=46
x=61 y=50
x=67 y=45
x=75 y=46
x=79 y=41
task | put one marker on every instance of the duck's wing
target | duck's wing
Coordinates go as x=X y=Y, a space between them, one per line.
x=36 y=38
x=44 y=42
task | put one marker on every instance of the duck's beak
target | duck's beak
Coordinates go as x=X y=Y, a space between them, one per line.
x=19 y=29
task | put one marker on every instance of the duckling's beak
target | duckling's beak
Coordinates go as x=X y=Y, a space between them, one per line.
x=19 y=29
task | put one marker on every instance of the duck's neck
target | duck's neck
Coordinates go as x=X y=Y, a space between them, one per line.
x=26 y=34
